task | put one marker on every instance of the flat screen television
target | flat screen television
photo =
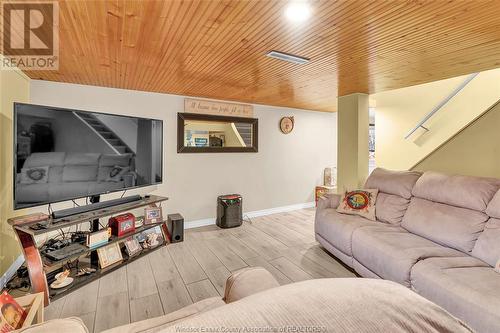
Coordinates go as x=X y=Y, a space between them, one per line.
x=64 y=154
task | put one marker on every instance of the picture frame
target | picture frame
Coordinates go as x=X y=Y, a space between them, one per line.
x=152 y=215
x=109 y=255
x=132 y=246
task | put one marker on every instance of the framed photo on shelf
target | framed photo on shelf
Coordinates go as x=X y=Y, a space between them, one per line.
x=132 y=246
x=152 y=215
x=109 y=255
x=150 y=238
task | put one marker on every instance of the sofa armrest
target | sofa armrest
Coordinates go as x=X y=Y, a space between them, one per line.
x=246 y=282
x=329 y=200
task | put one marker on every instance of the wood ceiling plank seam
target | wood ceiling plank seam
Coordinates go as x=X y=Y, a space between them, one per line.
x=155 y=62
x=285 y=66
x=174 y=38
x=380 y=68
x=218 y=35
x=169 y=18
x=93 y=49
x=198 y=34
x=154 y=57
x=134 y=74
x=235 y=17
x=78 y=46
x=233 y=53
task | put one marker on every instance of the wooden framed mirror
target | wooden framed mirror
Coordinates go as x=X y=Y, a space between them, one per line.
x=201 y=133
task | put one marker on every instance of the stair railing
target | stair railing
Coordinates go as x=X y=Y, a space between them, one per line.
x=441 y=104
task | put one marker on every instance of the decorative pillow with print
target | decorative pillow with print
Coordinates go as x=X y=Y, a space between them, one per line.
x=36 y=175
x=115 y=175
x=359 y=202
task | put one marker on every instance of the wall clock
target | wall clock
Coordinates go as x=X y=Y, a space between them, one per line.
x=286 y=125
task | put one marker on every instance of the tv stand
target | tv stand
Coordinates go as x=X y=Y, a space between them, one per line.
x=42 y=270
x=95 y=204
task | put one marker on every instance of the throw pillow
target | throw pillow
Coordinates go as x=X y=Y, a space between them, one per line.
x=359 y=202
x=115 y=175
x=36 y=175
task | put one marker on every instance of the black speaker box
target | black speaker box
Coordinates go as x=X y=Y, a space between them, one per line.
x=175 y=224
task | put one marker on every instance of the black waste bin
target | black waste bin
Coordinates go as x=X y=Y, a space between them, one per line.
x=229 y=210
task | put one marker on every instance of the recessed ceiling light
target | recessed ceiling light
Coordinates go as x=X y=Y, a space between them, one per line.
x=298 y=11
x=287 y=57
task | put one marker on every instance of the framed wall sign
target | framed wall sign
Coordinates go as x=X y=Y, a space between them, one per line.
x=201 y=106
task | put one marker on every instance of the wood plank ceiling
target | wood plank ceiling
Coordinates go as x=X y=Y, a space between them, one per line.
x=216 y=48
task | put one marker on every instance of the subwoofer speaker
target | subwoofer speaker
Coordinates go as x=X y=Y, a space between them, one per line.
x=175 y=224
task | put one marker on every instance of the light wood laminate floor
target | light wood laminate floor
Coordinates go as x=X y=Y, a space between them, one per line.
x=182 y=273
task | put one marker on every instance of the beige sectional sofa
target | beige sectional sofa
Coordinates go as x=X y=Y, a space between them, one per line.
x=254 y=302
x=436 y=234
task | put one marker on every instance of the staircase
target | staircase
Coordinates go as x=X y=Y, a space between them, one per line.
x=245 y=131
x=107 y=135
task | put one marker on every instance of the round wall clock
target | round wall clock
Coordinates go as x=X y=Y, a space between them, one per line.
x=286 y=125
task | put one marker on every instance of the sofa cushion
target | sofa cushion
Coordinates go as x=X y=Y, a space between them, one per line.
x=359 y=202
x=393 y=182
x=82 y=159
x=493 y=208
x=108 y=160
x=329 y=305
x=391 y=208
x=466 y=287
x=79 y=173
x=447 y=225
x=390 y=251
x=44 y=159
x=487 y=247
x=461 y=191
x=337 y=228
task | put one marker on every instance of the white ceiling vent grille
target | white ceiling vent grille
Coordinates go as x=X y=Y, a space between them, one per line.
x=288 y=57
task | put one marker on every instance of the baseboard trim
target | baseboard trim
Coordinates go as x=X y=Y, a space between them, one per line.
x=253 y=214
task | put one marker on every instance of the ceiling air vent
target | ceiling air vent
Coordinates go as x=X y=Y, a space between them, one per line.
x=288 y=57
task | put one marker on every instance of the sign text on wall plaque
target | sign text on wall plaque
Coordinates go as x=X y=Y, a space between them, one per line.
x=192 y=105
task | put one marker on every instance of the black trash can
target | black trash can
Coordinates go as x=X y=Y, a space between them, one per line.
x=229 y=211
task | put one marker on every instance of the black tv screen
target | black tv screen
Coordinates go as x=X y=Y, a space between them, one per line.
x=64 y=154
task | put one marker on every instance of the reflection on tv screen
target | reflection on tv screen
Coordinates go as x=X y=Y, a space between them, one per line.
x=66 y=154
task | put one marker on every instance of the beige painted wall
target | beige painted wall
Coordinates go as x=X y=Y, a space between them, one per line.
x=475 y=151
x=283 y=172
x=14 y=87
x=398 y=111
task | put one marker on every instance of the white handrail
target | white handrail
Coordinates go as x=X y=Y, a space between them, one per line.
x=441 y=104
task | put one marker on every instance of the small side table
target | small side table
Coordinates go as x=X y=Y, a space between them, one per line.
x=320 y=191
